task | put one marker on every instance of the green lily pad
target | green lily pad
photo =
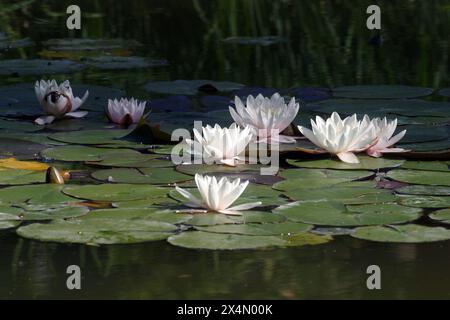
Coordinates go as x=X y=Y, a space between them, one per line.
x=83 y=153
x=305 y=238
x=425 y=201
x=366 y=163
x=422 y=133
x=431 y=146
x=348 y=193
x=100 y=231
x=90 y=137
x=120 y=63
x=410 y=233
x=381 y=92
x=424 y=190
x=442 y=216
x=136 y=160
x=316 y=178
x=219 y=241
x=18 y=126
x=190 y=87
x=18 y=176
x=267 y=229
x=427 y=165
x=154 y=214
x=9 y=224
x=335 y=214
x=34 y=194
x=19 y=148
x=143 y=203
x=21 y=67
x=52 y=213
x=421 y=177
x=141 y=176
x=115 y=192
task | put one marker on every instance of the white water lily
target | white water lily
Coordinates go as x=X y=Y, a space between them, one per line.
x=264 y=115
x=341 y=137
x=124 y=111
x=220 y=145
x=58 y=101
x=384 y=130
x=217 y=195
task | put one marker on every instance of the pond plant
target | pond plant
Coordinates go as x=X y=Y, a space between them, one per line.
x=97 y=183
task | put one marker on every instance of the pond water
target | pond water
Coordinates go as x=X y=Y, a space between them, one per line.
x=307 y=44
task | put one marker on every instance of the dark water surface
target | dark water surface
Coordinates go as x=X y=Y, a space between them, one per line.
x=327 y=45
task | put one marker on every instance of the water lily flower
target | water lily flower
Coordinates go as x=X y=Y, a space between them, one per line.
x=341 y=137
x=217 y=195
x=58 y=101
x=220 y=145
x=124 y=111
x=264 y=115
x=384 y=130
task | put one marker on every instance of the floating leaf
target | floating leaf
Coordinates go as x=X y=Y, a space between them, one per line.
x=267 y=229
x=13 y=163
x=98 y=231
x=316 y=178
x=176 y=103
x=410 y=233
x=381 y=92
x=445 y=92
x=18 y=177
x=83 y=153
x=421 y=177
x=90 y=137
x=366 y=163
x=86 y=44
x=260 y=41
x=21 y=67
x=442 y=216
x=309 y=94
x=305 y=238
x=131 y=160
x=348 y=193
x=427 y=165
x=424 y=190
x=141 y=176
x=115 y=192
x=50 y=212
x=218 y=241
x=34 y=194
x=425 y=201
x=189 y=87
x=9 y=224
x=408 y=111
x=117 y=63
x=151 y=213
x=336 y=214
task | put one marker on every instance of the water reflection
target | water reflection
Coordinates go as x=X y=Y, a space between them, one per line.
x=158 y=271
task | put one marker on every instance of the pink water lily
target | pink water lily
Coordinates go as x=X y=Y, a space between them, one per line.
x=266 y=116
x=216 y=195
x=58 y=101
x=384 y=130
x=124 y=111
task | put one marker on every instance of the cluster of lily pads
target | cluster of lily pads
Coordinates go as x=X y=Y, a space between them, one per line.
x=122 y=187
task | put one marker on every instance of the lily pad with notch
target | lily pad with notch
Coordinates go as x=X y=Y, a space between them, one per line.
x=409 y=233
x=98 y=231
